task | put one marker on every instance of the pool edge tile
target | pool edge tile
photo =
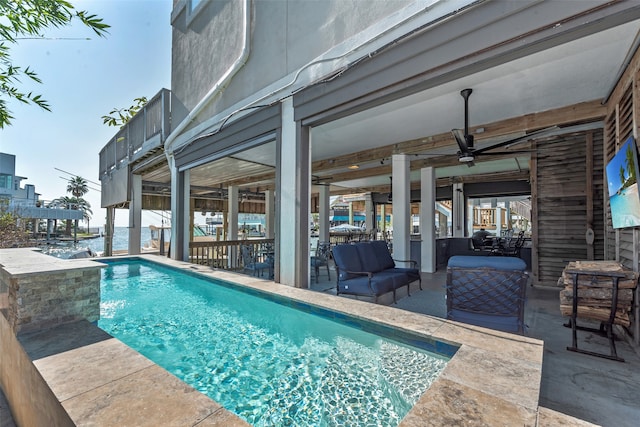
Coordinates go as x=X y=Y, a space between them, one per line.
x=149 y=397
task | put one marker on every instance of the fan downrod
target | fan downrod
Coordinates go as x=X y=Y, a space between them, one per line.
x=468 y=139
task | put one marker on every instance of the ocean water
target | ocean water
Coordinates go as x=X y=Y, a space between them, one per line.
x=96 y=245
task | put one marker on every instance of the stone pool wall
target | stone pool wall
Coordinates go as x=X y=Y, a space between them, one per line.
x=43 y=291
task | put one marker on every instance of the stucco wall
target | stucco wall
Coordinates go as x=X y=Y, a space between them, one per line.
x=284 y=36
x=31 y=400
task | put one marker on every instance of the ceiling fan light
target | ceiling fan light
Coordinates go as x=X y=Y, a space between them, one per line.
x=465 y=158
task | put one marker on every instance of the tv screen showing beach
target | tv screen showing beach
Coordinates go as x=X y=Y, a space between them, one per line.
x=622 y=181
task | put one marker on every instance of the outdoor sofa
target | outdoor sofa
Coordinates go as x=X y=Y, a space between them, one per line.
x=367 y=269
x=487 y=291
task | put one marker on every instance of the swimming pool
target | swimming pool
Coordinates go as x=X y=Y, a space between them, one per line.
x=271 y=360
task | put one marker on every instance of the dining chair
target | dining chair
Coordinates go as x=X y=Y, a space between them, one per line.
x=321 y=259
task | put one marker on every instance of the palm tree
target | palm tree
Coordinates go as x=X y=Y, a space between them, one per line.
x=77 y=186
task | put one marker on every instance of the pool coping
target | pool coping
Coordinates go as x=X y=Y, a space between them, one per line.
x=493 y=379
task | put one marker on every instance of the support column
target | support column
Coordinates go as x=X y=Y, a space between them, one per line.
x=269 y=213
x=108 y=231
x=179 y=210
x=232 y=215
x=185 y=215
x=369 y=213
x=498 y=213
x=401 y=206
x=428 y=220
x=350 y=217
x=294 y=188
x=135 y=215
x=457 y=222
x=232 y=222
x=324 y=208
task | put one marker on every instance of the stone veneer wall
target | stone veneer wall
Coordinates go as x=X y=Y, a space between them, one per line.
x=37 y=292
x=39 y=301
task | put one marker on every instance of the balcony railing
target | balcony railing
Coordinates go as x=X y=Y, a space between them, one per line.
x=226 y=254
x=146 y=131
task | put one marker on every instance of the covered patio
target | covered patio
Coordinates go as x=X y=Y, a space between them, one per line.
x=576 y=389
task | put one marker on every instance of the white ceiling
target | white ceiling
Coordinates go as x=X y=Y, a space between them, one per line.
x=579 y=71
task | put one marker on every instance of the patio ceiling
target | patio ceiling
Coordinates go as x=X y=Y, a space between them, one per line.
x=581 y=71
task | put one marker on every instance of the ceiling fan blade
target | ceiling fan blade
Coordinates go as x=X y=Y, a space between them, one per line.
x=509 y=152
x=460 y=139
x=518 y=140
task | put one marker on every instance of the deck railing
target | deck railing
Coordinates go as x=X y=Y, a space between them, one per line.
x=144 y=132
x=226 y=254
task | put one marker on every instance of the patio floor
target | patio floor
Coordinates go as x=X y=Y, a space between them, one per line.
x=594 y=389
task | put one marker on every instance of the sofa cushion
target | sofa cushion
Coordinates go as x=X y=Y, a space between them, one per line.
x=360 y=285
x=382 y=253
x=495 y=262
x=346 y=258
x=368 y=257
x=412 y=273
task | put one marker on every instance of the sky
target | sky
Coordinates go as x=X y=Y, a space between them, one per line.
x=84 y=80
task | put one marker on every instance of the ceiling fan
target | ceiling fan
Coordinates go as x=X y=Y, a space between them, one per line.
x=467 y=153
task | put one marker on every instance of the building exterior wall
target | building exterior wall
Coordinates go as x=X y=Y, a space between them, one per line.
x=10 y=188
x=284 y=36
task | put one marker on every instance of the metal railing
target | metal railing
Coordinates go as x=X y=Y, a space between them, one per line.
x=149 y=127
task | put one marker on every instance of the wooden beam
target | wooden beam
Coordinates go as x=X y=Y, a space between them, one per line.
x=577 y=113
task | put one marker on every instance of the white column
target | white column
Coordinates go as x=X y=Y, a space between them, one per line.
x=185 y=215
x=369 y=213
x=294 y=187
x=428 y=220
x=401 y=206
x=350 y=220
x=324 y=206
x=458 y=210
x=176 y=209
x=498 y=221
x=135 y=214
x=232 y=214
x=269 y=204
x=232 y=222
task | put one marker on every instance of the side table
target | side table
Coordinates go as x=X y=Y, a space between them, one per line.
x=606 y=327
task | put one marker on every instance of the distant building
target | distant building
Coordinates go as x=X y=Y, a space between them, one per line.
x=11 y=192
x=23 y=200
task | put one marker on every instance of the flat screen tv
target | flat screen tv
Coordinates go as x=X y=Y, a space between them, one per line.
x=622 y=173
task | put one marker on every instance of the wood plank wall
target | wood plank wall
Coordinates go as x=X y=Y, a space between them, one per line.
x=623 y=112
x=619 y=126
x=567 y=200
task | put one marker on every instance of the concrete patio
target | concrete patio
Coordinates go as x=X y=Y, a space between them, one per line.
x=575 y=389
x=600 y=391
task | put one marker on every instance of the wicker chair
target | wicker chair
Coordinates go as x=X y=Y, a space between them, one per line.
x=487 y=291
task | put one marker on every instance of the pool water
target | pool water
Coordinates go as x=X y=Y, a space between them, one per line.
x=261 y=358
